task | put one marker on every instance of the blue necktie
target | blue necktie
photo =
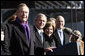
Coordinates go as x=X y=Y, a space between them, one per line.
x=61 y=37
x=41 y=36
x=60 y=33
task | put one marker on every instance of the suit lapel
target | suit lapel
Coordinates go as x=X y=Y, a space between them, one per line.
x=66 y=38
x=21 y=33
x=57 y=37
x=37 y=35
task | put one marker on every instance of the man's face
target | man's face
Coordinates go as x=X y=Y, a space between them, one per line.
x=60 y=22
x=23 y=13
x=41 y=22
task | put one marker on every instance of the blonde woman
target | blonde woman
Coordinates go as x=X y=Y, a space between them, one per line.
x=49 y=41
x=79 y=41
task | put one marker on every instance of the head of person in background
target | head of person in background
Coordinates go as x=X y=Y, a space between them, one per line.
x=60 y=22
x=49 y=28
x=78 y=33
x=40 y=21
x=12 y=18
x=53 y=21
x=22 y=12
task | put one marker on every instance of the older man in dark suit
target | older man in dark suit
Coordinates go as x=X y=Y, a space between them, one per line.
x=40 y=22
x=60 y=35
x=21 y=33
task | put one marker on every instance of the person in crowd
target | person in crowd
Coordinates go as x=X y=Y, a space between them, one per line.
x=79 y=40
x=49 y=40
x=4 y=41
x=60 y=34
x=78 y=33
x=53 y=20
x=20 y=32
x=39 y=23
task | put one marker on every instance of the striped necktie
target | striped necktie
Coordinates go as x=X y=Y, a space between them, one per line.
x=61 y=37
x=26 y=33
x=41 y=34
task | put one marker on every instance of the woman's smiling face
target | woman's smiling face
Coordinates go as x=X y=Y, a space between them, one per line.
x=49 y=31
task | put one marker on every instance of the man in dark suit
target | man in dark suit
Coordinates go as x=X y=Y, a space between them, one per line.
x=60 y=35
x=20 y=33
x=40 y=22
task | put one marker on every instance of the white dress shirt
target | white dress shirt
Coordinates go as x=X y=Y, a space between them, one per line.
x=41 y=34
x=61 y=35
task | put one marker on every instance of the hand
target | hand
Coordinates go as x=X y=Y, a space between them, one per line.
x=2 y=36
x=49 y=49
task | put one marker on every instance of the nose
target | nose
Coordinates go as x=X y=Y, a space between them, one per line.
x=49 y=31
x=23 y=13
x=41 y=22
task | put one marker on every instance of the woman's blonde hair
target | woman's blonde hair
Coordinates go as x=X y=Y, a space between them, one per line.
x=78 y=32
x=48 y=24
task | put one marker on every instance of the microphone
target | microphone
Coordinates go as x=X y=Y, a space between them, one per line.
x=70 y=31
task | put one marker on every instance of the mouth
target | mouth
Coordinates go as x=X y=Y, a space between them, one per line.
x=49 y=33
x=25 y=19
x=41 y=24
x=23 y=16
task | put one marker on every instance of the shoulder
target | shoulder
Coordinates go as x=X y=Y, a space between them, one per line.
x=34 y=28
x=11 y=25
x=65 y=33
x=31 y=27
x=55 y=33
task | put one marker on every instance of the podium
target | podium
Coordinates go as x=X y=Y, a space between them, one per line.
x=68 y=49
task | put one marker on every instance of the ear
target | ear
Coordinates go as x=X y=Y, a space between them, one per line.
x=17 y=12
x=64 y=22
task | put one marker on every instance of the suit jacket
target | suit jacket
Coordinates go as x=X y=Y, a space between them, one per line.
x=49 y=42
x=18 y=43
x=39 y=50
x=66 y=38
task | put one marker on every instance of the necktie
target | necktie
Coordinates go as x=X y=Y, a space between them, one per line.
x=41 y=34
x=27 y=33
x=61 y=37
x=60 y=34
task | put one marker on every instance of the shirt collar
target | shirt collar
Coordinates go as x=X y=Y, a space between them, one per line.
x=59 y=30
x=39 y=30
x=18 y=20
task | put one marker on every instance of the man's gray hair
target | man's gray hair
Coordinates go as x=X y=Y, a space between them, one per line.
x=21 y=5
x=39 y=15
